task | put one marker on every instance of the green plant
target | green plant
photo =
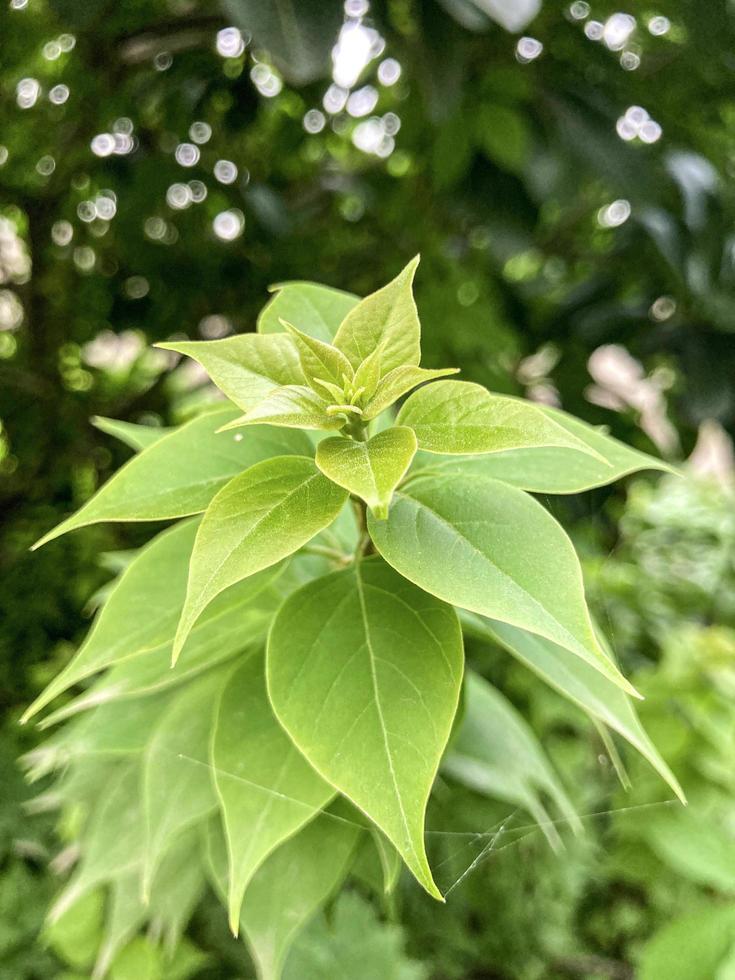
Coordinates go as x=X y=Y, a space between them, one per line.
x=355 y=546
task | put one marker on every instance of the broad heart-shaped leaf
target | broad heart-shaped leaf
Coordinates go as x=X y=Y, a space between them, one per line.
x=459 y=417
x=364 y=673
x=246 y=367
x=497 y=754
x=260 y=517
x=267 y=790
x=387 y=319
x=138 y=623
x=177 y=782
x=397 y=382
x=317 y=310
x=557 y=469
x=576 y=680
x=179 y=474
x=319 y=360
x=293 y=406
x=371 y=470
x=492 y=549
x=136 y=436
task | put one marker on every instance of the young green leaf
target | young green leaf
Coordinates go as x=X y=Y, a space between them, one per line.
x=320 y=360
x=180 y=473
x=574 y=679
x=125 y=915
x=397 y=382
x=492 y=549
x=364 y=673
x=246 y=367
x=177 y=784
x=293 y=406
x=267 y=790
x=371 y=470
x=136 y=436
x=387 y=319
x=317 y=309
x=258 y=518
x=497 y=754
x=367 y=376
x=458 y=417
x=556 y=470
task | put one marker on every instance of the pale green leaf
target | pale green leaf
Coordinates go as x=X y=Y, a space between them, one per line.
x=293 y=406
x=695 y=847
x=139 y=960
x=367 y=376
x=692 y=947
x=267 y=790
x=397 y=382
x=125 y=630
x=317 y=310
x=176 y=779
x=179 y=474
x=496 y=753
x=292 y=886
x=458 y=417
x=387 y=319
x=492 y=549
x=246 y=367
x=364 y=673
x=260 y=517
x=75 y=935
x=574 y=679
x=370 y=470
x=136 y=436
x=319 y=360
x=125 y=914
x=557 y=469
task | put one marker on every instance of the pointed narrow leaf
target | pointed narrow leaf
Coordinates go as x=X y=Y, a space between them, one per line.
x=318 y=310
x=458 y=417
x=260 y=517
x=318 y=359
x=293 y=406
x=387 y=319
x=367 y=375
x=371 y=470
x=126 y=913
x=267 y=790
x=246 y=367
x=136 y=436
x=364 y=673
x=577 y=681
x=397 y=382
x=497 y=754
x=177 y=783
x=557 y=469
x=492 y=549
x=179 y=474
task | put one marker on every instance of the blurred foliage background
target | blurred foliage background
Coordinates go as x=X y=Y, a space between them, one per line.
x=567 y=174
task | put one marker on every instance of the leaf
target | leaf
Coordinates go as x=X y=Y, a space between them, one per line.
x=492 y=549
x=294 y=406
x=267 y=790
x=292 y=886
x=136 y=436
x=176 y=780
x=698 y=849
x=75 y=935
x=179 y=474
x=497 y=754
x=397 y=382
x=556 y=470
x=458 y=417
x=125 y=914
x=125 y=630
x=318 y=310
x=371 y=470
x=260 y=517
x=504 y=135
x=577 y=681
x=367 y=376
x=320 y=360
x=298 y=36
x=692 y=947
x=246 y=367
x=387 y=319
x=364 y=673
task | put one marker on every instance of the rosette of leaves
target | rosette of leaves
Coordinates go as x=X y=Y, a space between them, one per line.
x=328 y=555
